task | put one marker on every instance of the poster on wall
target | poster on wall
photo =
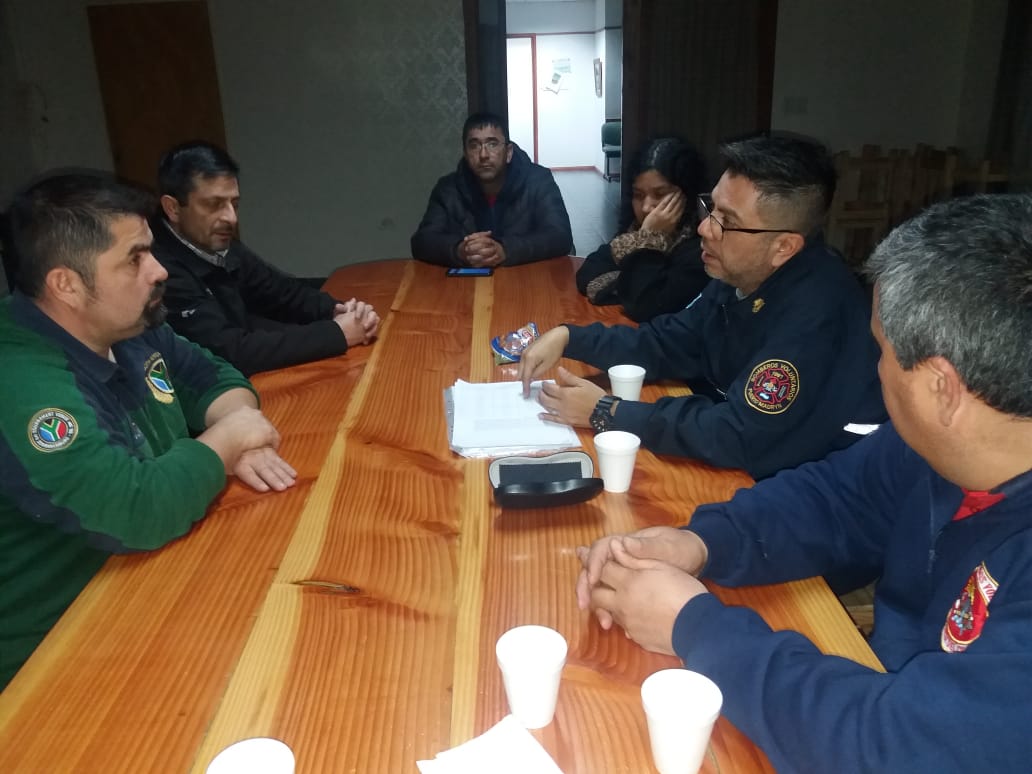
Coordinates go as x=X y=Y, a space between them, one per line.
x=598 y=77
x=560 y=68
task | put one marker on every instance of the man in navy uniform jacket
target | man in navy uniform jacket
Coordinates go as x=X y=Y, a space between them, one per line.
x=777 y=349
x=937 y=504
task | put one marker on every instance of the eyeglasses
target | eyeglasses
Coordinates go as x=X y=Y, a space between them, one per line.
x=706 y=211
x=491 y=146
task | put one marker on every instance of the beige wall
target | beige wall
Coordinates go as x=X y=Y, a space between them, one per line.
x=55 y=110
x=342 y=115
x=888 y=72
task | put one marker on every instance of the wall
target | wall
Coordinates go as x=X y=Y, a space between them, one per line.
x=983 y=62
x=520 y=83
x=576 y=16
x=342 y=115
x=56 y=117
x=19 y=107
x=886 y=72
x=612 y=72
x=600 y=112
x=568 y=123
x=568 y=118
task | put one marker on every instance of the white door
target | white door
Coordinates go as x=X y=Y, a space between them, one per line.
x=520 y=73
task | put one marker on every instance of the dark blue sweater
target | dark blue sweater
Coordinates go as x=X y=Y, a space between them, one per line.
x=810 y=315
x=942 y=706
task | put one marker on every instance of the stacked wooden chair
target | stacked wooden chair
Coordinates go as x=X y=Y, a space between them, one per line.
x=862 y=209
x=877 y=191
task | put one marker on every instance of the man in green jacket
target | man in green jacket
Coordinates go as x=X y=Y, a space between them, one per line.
x=115 y=434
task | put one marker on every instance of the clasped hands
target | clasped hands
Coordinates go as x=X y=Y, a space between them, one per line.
x=358 y=320
x=481 y=250
x=641 y=581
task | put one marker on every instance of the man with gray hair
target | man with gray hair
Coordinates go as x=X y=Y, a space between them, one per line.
x=937 y=505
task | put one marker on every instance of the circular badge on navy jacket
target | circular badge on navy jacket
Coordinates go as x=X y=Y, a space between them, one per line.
x=158 y=379
x=772 y=386
x=52 y=429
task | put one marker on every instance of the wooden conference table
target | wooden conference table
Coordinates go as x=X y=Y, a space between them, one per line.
x=355 y=615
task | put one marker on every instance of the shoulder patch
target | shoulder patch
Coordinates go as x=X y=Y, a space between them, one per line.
x=772 y=386
x=966 y=618
x=156 y=376
x=52 y=429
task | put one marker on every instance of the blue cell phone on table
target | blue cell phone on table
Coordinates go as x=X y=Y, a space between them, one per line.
x=471 y=271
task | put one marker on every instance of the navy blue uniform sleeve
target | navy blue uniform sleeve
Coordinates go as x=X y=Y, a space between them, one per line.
x=830 y=517
x=789 y=404
x=811 y=712
x=438 y=234
x=667 y=347
x=551 y=235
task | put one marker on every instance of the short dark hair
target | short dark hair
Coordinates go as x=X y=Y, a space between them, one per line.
x=956 y=282
x=482 y=119
x=65 y=220
x=676 y=160
x=795 y=176
x=180 y=167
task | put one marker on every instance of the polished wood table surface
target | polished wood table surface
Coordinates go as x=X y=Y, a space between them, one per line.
x=355 y=616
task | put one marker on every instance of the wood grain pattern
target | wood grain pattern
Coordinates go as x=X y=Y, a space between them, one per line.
x=355 y=616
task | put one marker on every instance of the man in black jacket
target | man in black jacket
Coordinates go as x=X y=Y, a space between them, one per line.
x=776 y=349
x=497 y=209
x=220 y=294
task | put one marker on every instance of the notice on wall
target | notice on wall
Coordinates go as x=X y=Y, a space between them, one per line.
x=560 y=68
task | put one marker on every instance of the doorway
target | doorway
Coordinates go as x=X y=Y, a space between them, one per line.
x=521 y=80
x=156 y=67
x=553 y=104
x=563 y=82
x=564 y=79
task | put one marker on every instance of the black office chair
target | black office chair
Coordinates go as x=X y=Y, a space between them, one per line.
x=612 y=132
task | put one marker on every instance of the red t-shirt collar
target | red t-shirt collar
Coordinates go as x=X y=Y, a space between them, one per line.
x=975 y=501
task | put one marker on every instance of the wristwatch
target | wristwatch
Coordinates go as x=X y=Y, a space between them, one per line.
x=602 y=416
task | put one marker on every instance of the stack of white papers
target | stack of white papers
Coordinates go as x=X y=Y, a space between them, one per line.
x=507 y=748
x=494 y=419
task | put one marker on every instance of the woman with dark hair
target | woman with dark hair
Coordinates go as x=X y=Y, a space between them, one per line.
x=654 y=264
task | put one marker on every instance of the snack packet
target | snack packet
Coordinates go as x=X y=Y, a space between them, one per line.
x=509 y=348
